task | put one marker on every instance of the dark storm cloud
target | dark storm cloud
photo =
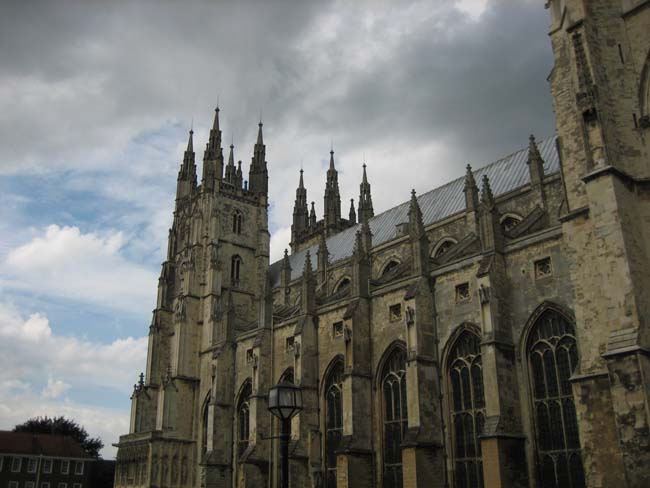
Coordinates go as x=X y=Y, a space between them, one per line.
x=418 y=88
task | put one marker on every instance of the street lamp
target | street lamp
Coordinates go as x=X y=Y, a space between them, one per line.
x=285 y=401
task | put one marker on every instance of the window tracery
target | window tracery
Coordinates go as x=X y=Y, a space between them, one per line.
x=443 y=247
x=465 y=373
x=392 y=264
x=553 y=357
x=333 y=420
x=395 y=415
x=243 y=418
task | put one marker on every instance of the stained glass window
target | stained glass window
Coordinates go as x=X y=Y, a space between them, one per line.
x=395 y=416
x=333 y=419
x=467 y=410
x=553 y=357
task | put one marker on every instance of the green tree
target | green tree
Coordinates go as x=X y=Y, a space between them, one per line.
x=63 y=426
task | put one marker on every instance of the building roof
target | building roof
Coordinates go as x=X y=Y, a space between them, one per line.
x=506 y=174
x=37 y=444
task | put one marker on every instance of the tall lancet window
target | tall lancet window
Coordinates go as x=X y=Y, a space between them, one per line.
x=333 y=419
x=553 y=357
x=467 y=410
x=205 y=419
x=236 y=222
x=243 y=418
x=395 y=414
x=235 y=268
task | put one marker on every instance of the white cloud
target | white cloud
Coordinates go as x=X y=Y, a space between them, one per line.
x=66 y=263
x=31 y=350
x=54 y=389
x=279 y=242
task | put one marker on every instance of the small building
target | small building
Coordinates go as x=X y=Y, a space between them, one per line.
x=43 y=461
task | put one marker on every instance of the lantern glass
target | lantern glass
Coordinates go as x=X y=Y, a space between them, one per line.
x=285 y=400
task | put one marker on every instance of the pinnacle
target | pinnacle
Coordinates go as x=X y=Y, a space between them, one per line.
x=301 y=185
x=231 y=158
x=332 y=168
x=190 y=145
x=260 y=139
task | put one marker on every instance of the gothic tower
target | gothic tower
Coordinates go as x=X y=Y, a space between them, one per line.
x=213 y=283
x=600 y=87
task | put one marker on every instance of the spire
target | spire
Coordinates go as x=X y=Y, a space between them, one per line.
x=535 y=162
x=332 y=198
x=366 y=210
x=322 y=255
x=308 y=286
x=231 y=172
x=312 y=216
x=239 y=178
x=419 y=240
x=300 y=215
x=213 y=155
x=491 y=232
x=353 y=215
x=470 y=190
x=187 y=174
x=190 y=144
x=487 y=198
x=416 y=225
x=285 y=275
x=258 y=176
x=260 y=139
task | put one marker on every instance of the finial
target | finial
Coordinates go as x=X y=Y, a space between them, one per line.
x=217 y=109
x=192 y=125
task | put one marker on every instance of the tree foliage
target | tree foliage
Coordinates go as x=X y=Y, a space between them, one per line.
x=63 y=426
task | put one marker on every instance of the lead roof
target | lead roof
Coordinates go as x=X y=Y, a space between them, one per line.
x=506 y=174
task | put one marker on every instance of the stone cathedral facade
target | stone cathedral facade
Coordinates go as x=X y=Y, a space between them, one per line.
x=491 y=332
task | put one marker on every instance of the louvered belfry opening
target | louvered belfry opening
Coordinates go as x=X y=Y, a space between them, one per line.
x=553 y=357
x=333 y=419
x=395 y=414
x=467 y=410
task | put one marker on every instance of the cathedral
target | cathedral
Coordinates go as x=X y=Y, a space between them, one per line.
x=488 y=333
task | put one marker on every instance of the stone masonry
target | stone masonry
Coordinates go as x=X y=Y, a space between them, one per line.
x=491 y=332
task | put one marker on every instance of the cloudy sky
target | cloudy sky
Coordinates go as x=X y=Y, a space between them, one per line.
x=95 y=102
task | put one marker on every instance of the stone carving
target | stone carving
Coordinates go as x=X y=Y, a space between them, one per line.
x=409 y=316
x=484 y=294
x=180 y=309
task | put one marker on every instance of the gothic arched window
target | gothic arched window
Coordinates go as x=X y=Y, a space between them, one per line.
x=333 y=419
x=343 y=285
x=553 y=357
x=205 y=419
x=467 y=406
x=243 y=418
x=509 y=221
x=395 y=414
x=392 y=264
x=236 y=222
x=443 y=247
x=235 y=267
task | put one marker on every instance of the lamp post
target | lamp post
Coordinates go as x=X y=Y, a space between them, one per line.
x=285 y=401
